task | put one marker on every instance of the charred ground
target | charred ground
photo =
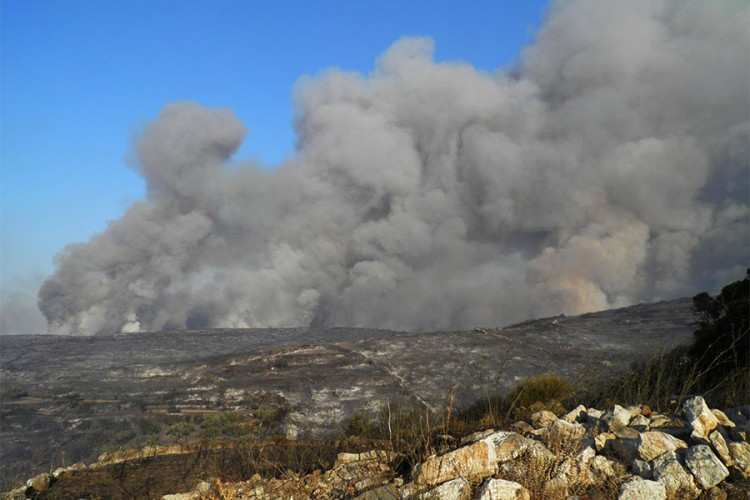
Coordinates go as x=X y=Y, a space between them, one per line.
x=68 y=399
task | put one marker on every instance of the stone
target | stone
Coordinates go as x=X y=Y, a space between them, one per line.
x=654 y=443
x=722 y=418
x=705 y=466
x=640 y=422
x=634 y=410
x=384 y=492
x=740 y=453
x=576 y=468
x=616 y=417
x=456 y=489
x=499 y=489
x=71 y=468
x=542 y=419
x=39 y=483
x=560 y=431
x=642 y=489
x=641 y=468
x=600 y=441
x=512 y=469
x=17 y=494
x=539 y=453
x=522 y=427
x=719 y=444
x=657 y=421
x=625 y=432
x=602 y=467
x=408 y=490
x=576 y=415
x=593 y=415
x=676 y=480
x=349 y=458
x=471 y=462
x=508 y=445
x=476 y=436
x=624 y=449
x=702 y=420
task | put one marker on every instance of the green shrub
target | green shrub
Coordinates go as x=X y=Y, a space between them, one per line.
x=180 y=430
x=360 y=425
x=543 y=392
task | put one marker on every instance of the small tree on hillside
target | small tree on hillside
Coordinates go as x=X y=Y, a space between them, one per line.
x=722 y=341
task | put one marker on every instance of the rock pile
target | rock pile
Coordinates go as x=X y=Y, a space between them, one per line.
x=625 y=453
x=628 y=453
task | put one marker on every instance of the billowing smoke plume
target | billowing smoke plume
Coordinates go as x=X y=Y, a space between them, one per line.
x=611 y=166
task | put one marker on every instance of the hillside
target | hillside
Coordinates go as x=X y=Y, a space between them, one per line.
x=68 y=399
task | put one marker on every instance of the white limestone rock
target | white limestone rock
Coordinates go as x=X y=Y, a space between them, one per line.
x=676 y=480
x=616 y=417
x=499 y=489
x=740 y=453
x=723 y=418
x=719 y=444
x=654 y=443
x=702 y=420
x=508 y=445
x=642 y=489
x=576 y=415
x=456 y=489
x=705 y=466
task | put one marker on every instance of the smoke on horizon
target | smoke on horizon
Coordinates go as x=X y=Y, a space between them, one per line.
x=610 y=167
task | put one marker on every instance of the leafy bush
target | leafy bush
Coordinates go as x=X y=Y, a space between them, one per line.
x=180 y=430
x=722 y=342
x=360 y=425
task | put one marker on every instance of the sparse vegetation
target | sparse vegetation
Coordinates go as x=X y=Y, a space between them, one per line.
x=716 y=365
x=544 y=392
x=235 y=445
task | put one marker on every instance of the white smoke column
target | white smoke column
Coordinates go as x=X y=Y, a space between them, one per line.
x=611 y=167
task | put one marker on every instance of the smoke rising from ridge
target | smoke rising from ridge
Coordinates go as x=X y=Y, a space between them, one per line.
x=610 y=167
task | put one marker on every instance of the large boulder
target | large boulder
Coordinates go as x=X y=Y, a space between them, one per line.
x=705 y=466
x=499 y=489
x=471 y=462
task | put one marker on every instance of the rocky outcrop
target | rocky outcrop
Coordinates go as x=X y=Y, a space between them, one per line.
x=631 y=453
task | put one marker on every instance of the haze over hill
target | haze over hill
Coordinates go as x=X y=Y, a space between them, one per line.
x=610 y=167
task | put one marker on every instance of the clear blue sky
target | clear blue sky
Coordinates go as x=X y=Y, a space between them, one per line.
x=80 y=77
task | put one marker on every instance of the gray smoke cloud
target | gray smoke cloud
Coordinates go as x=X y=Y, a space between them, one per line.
x=609 y=167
